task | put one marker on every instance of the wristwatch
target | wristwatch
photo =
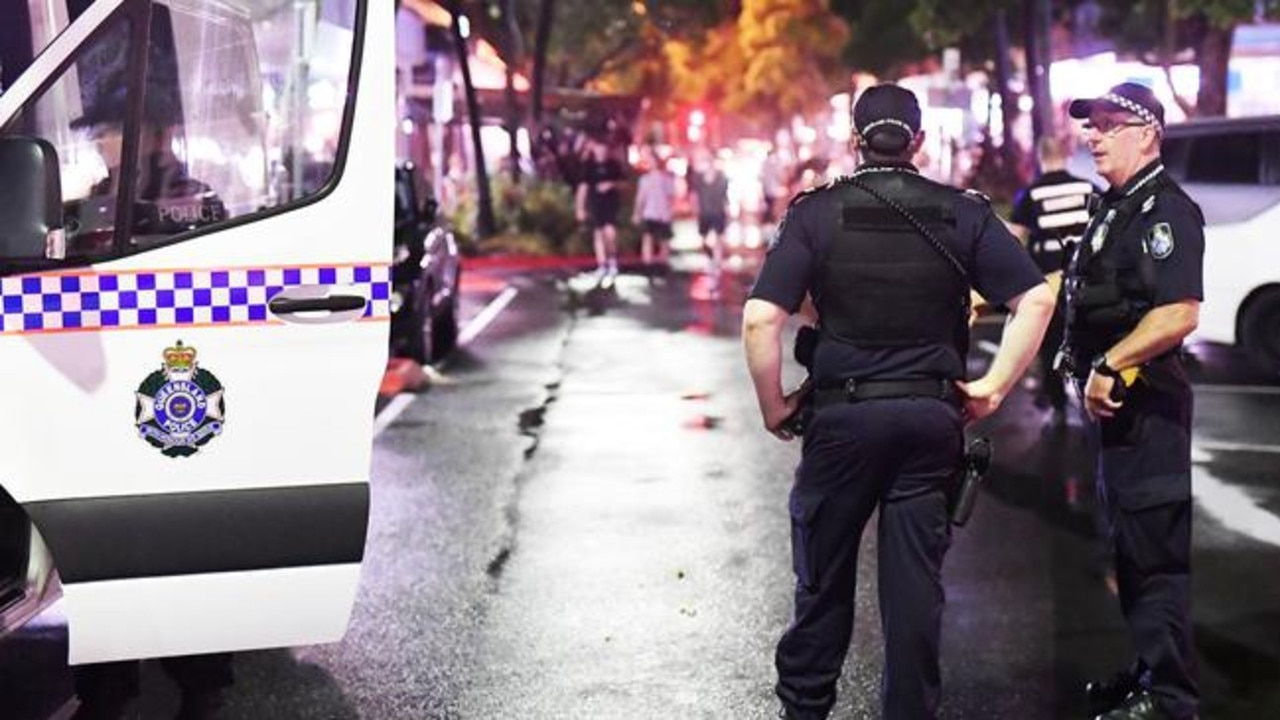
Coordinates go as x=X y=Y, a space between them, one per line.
x=1101 y=367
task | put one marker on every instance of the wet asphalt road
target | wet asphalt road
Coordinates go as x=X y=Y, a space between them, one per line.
x=584 y=519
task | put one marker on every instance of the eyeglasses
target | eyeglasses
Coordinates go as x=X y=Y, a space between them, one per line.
x=1110 y=127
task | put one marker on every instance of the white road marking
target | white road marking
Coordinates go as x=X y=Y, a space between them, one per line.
x=1237 y=389
x=392 y=411
x=1234 y=509
x=477 y=325
x=486 y=316
x=1217 y=446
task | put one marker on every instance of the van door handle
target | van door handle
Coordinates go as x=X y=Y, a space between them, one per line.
x=315 y=304
x=333 y=303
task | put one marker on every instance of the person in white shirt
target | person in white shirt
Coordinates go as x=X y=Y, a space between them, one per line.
x=655 y=198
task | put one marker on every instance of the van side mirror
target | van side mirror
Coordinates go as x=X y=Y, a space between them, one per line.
x=30 y=200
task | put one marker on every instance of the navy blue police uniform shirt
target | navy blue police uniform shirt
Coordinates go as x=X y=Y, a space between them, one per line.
x=1170 y=231
x=999 y=269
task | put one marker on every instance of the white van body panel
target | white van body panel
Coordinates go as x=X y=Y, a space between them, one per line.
x=152 y=617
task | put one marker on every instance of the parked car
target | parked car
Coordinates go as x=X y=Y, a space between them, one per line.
x=1231 y=167
x=424 y=276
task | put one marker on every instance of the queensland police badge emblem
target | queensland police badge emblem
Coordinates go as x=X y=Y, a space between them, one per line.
x=179 y=406
x=1160 y=241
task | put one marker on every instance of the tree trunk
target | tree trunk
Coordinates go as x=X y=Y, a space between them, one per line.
x=1213 y=55
x=513 y=124
x=514 y=57
x=1036 y=26
x=1009 y=148
x=546 y=13
x=1168 y=48
x=485 y=224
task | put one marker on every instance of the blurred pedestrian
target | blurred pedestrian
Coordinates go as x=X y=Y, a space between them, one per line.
x=889 y=259
x=654 y=212
x=773 y=185
x=710 y=186
x=599 y=199
x=1133 y=288
x=1047 y=215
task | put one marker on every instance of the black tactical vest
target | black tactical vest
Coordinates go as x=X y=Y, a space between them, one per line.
x=881 y=283
x=1108 y=291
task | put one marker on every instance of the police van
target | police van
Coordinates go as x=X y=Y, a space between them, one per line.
x=194 y=304
x=1231 y=167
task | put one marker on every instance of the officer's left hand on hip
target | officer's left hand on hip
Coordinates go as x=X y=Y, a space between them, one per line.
x=779 y=422
x=1098 y=400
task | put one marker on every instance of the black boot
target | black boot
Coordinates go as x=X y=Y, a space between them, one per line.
x=1139 y=706
x=1106 y=695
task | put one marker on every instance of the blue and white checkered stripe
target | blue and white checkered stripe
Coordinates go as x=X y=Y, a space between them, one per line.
x=99 y=301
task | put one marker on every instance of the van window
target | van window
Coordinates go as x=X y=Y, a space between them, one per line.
x=242 y=112
x=67 y=114
x=244 y=109
x=1226 y=158
x=1270 y=157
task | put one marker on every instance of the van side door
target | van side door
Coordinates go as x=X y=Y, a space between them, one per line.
x=189 y=392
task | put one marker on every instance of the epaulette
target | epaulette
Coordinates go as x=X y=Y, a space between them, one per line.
x=809 y=191
x=977 y=196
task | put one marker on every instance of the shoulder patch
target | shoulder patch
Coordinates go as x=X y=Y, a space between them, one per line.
x=977 y=195
x=1177 y=200
x=807 y=192
x=1159 y=241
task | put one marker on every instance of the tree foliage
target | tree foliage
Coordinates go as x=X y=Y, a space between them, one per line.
x=765 y=61
x=1161 y=32
x=790 y=51
x=879 y=41
x=961 y=23
x=886 y=37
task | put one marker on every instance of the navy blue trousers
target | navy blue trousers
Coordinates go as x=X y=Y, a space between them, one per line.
x=1153 y=570
x=1144 y=474
x=899 y=456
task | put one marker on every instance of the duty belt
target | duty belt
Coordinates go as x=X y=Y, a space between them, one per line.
x=848 y=391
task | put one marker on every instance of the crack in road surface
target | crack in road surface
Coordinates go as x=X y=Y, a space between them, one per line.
x=530 y=421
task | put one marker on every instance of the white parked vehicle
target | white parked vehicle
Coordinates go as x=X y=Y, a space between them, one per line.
x=1231 y=167
x=194 y=308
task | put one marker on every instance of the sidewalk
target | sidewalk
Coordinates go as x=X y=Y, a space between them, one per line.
x=745 y=244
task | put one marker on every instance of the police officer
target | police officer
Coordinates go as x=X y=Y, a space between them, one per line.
x=1134 y=287
x=889 y=259
x=1049 y=214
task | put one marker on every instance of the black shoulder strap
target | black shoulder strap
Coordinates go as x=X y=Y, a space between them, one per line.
x=915 y=223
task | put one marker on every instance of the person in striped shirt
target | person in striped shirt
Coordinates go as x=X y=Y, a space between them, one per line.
x=1047 y=215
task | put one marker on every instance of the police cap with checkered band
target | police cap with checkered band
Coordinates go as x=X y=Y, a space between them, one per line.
x=1137 y=100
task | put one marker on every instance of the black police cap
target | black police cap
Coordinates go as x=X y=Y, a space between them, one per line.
x=1130 y=97
x=887 y=118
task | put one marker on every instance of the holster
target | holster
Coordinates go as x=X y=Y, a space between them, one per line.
x=963 y=493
